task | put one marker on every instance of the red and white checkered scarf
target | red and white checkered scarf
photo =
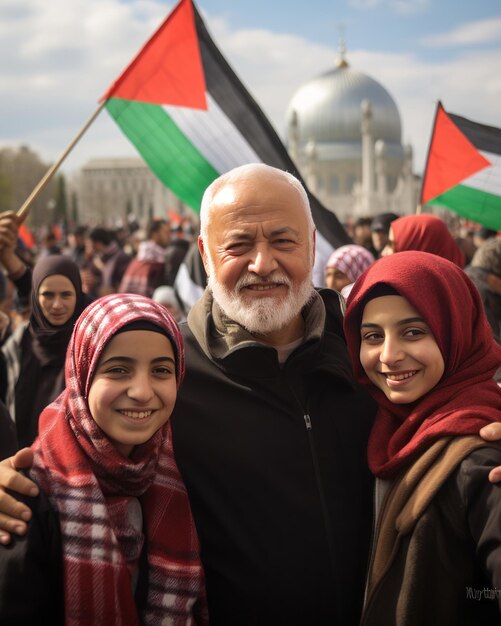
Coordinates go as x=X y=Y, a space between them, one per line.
x=94 y=487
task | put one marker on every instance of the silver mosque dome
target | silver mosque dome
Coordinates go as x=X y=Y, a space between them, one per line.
x=327 y=111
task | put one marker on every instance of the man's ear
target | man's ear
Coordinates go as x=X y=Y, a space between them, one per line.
x=203 y=254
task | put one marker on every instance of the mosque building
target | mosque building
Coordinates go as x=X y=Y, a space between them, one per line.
x=345 y=135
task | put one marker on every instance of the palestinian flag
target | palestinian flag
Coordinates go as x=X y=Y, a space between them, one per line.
x=463 y=170
x=192 y=119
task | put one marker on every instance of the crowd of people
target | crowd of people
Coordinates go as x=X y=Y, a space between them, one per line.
x=277 y=461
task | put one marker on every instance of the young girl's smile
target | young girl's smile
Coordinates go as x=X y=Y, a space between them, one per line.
x=398 y=351
x=133 y=390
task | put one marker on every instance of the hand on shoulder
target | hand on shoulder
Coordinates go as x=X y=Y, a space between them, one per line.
x=15 y=514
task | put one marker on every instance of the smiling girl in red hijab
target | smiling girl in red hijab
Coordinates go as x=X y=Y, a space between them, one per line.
x=419 y=340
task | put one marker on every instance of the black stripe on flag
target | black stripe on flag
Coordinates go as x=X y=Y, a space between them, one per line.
x=487 y=138
x=240 y=107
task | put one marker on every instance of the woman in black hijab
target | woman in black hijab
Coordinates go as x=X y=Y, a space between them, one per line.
x=34 y=359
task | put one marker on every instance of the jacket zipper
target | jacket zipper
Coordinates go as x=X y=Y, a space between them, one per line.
x=321 y=491
x=318 y=477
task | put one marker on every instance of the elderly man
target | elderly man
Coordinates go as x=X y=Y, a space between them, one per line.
x=270 y=430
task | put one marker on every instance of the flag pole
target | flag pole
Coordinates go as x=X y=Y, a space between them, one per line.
x=23 y=211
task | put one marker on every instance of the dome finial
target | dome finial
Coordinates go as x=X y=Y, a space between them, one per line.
x=341 y=62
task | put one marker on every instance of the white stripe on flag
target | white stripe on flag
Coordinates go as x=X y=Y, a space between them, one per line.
x=215 y=136
x=489 y=179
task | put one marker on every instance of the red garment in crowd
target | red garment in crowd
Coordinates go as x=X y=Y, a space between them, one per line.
x=427 y=233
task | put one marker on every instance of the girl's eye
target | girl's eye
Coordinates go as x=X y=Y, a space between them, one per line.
x=414 y=332
x=163 y=371
x=372 y=336
x=117 y=370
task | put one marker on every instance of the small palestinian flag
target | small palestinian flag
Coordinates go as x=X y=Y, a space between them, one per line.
x=192 y=119
x=463 y=170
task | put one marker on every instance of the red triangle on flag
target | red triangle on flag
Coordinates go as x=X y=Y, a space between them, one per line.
x=451 y=158
x=168 y=69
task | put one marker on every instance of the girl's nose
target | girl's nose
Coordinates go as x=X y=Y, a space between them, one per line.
x=391 y=351
x=140 y=388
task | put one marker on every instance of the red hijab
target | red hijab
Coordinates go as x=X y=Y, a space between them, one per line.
x=96 y=490
x=427 y=233
x=467 y=397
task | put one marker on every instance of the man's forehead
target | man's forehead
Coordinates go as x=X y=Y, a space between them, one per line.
x=225 y=196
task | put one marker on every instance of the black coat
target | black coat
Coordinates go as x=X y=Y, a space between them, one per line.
x=274 y=460
x=31 y=574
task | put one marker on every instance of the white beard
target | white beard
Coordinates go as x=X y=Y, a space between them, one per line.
x=262 y=315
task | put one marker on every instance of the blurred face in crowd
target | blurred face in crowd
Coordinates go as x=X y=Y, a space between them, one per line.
x=163 y=235
x=390 y=244
x=379 y=239
x=259 y=255
x=336 y=279
x=57 y=298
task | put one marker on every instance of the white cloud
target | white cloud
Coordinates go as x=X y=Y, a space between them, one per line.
x=409 y=7
x=364 y=4
x=402 y=7
x=52 y=75
x=480 y=32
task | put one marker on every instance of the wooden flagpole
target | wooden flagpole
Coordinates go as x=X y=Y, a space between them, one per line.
x=23 y=211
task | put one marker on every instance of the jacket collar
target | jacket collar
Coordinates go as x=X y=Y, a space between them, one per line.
x=219 y=336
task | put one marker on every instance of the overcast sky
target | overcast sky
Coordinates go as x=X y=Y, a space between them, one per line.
x=57 y=57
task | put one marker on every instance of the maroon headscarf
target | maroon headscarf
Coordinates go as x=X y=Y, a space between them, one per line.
x=94 y=488
x=427 y=233
x=467 y=397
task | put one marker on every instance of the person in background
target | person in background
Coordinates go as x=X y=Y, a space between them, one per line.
x=112 y=539
x=109 y=258
x=485 y=271
x=166 y=296
x=380 y=227
x=362 y=235
x=77 y=248
x=146 y=270
x=429 y=364
x=7 y=290
x=483 y=234
x=345 y=265
x=49 y=246
x=175 y=253
x=424 y=232
x=32 y=359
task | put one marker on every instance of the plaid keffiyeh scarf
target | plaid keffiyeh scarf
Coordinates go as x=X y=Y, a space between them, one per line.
x=95 y=488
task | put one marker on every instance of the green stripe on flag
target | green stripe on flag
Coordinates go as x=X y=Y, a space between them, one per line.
x=478 y=206
x=169 y=154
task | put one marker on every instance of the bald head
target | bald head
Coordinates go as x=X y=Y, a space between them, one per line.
x=253 y=176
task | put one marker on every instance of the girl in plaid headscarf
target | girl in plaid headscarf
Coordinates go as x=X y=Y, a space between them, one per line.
x=115 y=541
